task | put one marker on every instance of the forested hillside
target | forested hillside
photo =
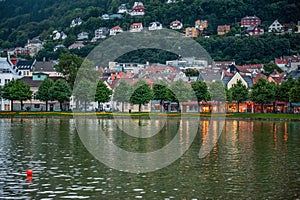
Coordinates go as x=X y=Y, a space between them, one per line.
x=22 y=20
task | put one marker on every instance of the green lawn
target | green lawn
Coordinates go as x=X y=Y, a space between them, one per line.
x=146 y=114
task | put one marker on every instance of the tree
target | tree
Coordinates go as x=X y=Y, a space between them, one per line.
x=61 y=91
x=103 y=93
x=160 y=92
x=16 y=90
x=239 y=93
x=44 y=92
x=217 y=92
x=294 y=93
x=122 y=93
x=142 y=93
x=180 y=91
x=83 y=91
x=263 y=92
x=283 y=90
x=201 y=92
x=69 y=65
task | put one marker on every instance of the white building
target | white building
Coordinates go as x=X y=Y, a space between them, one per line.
x=8 y=72
x=275 y=27
x=155 y=26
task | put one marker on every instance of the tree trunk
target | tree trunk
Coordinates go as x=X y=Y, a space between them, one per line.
x=61 y=106
x=98 y=105
x=85 y=105
x=199 y=110
x=12 y=105
x=140 y=107
x=238 y=106
x=46 y=106
x=123 y=106
x=21 y=105
x=262 y=108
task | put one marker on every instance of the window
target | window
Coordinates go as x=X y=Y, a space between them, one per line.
x=6 y=81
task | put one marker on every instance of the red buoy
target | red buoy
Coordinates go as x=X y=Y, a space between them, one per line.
x=29 y=172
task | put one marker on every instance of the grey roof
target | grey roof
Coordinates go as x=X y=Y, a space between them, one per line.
x=226 y=79
x=295 y=74
x=25 y=64
x=248 y=80
x=47 y=66
x=209 y=76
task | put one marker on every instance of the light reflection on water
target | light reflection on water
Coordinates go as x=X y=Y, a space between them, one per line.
x=252 y=159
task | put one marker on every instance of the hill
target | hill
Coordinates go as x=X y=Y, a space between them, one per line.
x=23 y=20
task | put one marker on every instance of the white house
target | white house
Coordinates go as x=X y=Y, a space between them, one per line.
x=76 y=22
x=8 y=72
x=275 y=27
x=155 y=26
x=101 y=33
x=83 y=36
x=122 y=9
x=115 y=30
x=34 y=46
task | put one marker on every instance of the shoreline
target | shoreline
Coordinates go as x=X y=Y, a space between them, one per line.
x=146 y=115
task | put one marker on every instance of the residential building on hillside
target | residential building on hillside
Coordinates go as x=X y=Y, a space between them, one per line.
x=76 y=45
x=298 y=27
x=192 y=32
x=123 y=9
x=101 y=33
x=155 y=26
x=275 y=27
x=83 y=36
x=76 y=22
x=188 y=63
x=34 y=46
x=136 y=27
x=201 y=24
x=176 y=25
x=46 y=67
x=250 y=21
x=115 y=30
x=254 y=31
x=138 y=9
x=223 y=29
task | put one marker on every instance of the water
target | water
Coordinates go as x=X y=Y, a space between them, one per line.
x=251 y=160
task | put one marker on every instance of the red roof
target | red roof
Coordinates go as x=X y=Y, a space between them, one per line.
x=136 y=25
x=281 y=61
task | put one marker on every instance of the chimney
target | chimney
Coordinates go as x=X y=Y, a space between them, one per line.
x=13 y=61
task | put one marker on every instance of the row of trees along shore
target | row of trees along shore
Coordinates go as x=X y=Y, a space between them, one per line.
x=140 y=93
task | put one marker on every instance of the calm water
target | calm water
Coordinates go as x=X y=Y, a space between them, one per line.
x=251 y=160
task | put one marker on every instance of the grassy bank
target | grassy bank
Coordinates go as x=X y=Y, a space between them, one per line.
x=5 y=114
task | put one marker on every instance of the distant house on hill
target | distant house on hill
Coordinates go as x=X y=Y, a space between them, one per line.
x=223 y=29
x=34 y=46
x=76 y=22
x=83 y=36
x=176 y=25
x=76 y=45
x=250 y=21
x=136 y=27
x=115 y=30
x=192 y=32
x=138 y=9
x=123 y=9
x=25 y=66
x=254 y=31
x=155 y=26
x=275 y=27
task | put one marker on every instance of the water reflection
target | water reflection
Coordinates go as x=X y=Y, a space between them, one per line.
x=252 y=159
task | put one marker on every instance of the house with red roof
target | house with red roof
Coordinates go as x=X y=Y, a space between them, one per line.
x=138 y=9
x=176 y=25
x=223 y=29
x=136 y=27
x=115 y=30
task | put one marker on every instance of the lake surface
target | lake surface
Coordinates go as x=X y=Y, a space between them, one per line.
x=251 y=160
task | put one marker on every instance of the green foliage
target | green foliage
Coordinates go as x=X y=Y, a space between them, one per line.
x=61 y=91
x=122 y=93
x=269 y=68
x=103 y=93
x=294 y=93
x=69 y=65
x=181 y=90
x=44 y=92
x=16 y=90
x=283 y=90
x=239 y=92
x=263 y=92
x=201 y=91
x=142 y=93
x=217 y=91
